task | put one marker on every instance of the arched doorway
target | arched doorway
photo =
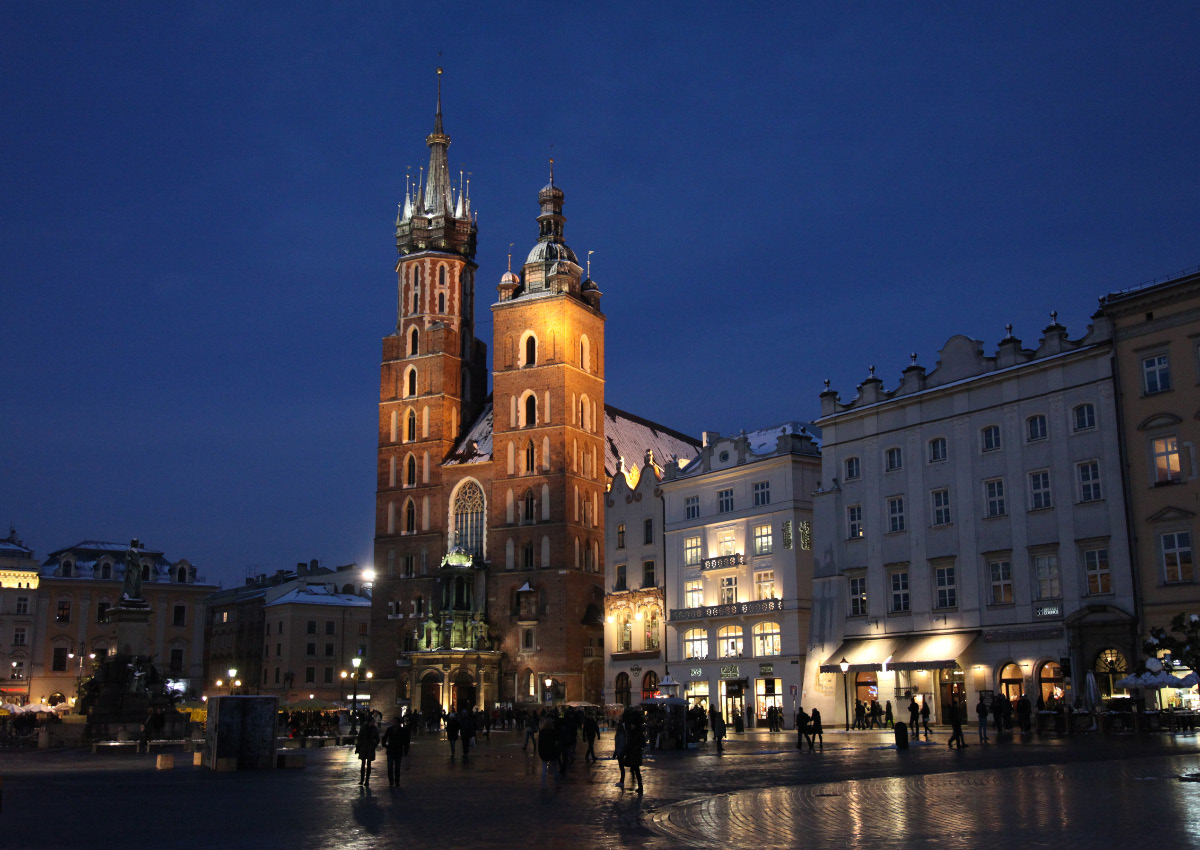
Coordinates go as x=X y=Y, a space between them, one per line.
x=622 y=689
x=1110 y=666
x=431 y=695
x=649 y=684
x=463 y=692
x=1012 y=682
x=55 y=699
x=1050 y=684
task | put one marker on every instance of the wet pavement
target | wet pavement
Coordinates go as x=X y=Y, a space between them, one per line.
x=1034 y=792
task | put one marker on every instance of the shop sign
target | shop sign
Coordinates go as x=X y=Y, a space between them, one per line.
x=766 y=669
x=1048 y=611
x=730 y=671
x=697 y=673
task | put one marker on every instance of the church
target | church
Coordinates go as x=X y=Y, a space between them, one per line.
x=489 y=525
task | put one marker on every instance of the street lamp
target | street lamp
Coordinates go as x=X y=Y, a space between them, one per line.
x=232 y=674
x=357 y=662
x=845 y=665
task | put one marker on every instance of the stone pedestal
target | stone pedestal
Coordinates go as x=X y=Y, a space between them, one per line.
x=132 y=619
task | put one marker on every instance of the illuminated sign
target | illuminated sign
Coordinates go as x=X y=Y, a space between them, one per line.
x=724 y=562
x=766 y=669
x=760 y=606
x=730 y=671
x=697 y=673
x=1048 y=611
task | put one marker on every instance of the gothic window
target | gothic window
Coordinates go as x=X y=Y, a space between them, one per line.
x=441 y=275
x=412 y=344
x=410 y=471
x=585 y=359
x=530 y=457
x=531 y=350
x=469 y=518
x=527 y=555
x=416 y=290
x=530 y=410
x=412 y=382
x=442 y=299
x=410 y=517
x=411 y=427
x=527 y=513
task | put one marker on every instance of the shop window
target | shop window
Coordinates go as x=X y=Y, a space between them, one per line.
x=1050 y=683
x=649 y=685
x=866 y=686
x=1012 y=682
x=1110 y=667
x=622 y=689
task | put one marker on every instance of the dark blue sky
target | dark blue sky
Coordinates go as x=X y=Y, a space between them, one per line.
x=198 y=203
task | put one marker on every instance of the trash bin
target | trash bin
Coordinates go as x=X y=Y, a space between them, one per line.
x=901 y=731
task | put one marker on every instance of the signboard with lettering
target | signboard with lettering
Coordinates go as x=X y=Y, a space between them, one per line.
x=730 y=671
x=1054 y=610
x=697 y=673
x=759 y=606
x=766 y=669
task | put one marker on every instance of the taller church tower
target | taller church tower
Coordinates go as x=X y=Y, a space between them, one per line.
x=548 y=475
x=433 y=379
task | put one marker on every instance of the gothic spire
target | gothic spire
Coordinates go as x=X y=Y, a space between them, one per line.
x=438 y=200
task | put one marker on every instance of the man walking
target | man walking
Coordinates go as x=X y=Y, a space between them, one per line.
x=395 y=743
x=981 y=711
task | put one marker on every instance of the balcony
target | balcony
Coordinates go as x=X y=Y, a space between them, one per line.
x=736 y=609
x=723 y=562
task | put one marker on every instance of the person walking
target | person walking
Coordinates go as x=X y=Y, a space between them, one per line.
x=956 y=732
x=466 y=728
x=914 y=715
x=452 y=729
x=634 y=744
x=802 y=721
x=591 y=733
x=981 y=711
x=925 y=717
x=395 y=744
x=364 y=748
x=620 y=738
x=531 y=728
x=717 y=723
x=547 y=747
x=815 y=732
x=889 y=722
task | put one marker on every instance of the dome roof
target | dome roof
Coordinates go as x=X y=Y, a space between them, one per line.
x=509 y=278
x=544 y=251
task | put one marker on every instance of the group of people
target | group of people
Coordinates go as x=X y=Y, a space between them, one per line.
x=872 y=716
x=395 y=740
x=809 y=728
x=555 y=736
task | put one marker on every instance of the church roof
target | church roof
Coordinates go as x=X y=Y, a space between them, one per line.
x=626 y=435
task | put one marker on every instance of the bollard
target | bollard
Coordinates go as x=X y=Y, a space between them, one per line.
x=165 y=761
x=901 y=730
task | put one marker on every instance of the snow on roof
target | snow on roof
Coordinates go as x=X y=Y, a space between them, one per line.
x=8 y=546
x=476 y=446
x=629 y=437
x=763 y=442
x=318 y=594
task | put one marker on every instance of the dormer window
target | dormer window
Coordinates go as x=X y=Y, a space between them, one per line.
x=67 y=570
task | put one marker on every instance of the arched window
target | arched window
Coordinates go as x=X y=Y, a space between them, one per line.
x=695 y=643
x=66 y=571
x=622 y=689
x=410 y=517
x=624 y=633
x=766 y=639
x=106 y=570
x=410 y=471
x=1050 y=684
x=1110 y=666
x=729 y=639
x=181 y=575
x=530 y=457
x=410 y=428
x=442 y=300
x=469 y=518
x=531 y=350
x=530 y=410
x=649 y=684
x=585 y=356
x=441 y=275
x=866 y=686
x=527 y=555
x=1012 y=682
x=528 y=508
x=413 y=339
x=412 y=382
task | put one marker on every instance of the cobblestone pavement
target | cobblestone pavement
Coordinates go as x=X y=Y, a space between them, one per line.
x=762 y=793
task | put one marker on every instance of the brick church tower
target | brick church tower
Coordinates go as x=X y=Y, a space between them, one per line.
x=548 y=466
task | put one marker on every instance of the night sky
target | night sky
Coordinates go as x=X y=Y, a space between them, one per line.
x=198 y=206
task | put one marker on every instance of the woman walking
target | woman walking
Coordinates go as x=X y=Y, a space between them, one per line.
x=364 y=748
x=634 y=744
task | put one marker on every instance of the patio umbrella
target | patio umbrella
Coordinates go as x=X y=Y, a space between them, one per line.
x=1091 y=692
x=1190 y=680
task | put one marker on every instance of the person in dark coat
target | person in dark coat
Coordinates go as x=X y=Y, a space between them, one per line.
x=981 y=711
x=802 y=721
x=956 y=732
x=364 y=748
x=1024 y=712
x=547 y=747
x=888 y=720
x=452 y=729
x=925 y=717
x=395 y=744
x=466 y=728
x=634 y=744
x=815 y=732
x=717 y=722
x=914 y=715
x=591 y=732
x=619 y=740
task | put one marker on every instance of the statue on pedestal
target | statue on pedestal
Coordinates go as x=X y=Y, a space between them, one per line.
x=131 y=588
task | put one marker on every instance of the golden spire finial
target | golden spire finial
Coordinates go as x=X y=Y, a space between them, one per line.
x=510 y=244
x=552 y=170
x=589 y=263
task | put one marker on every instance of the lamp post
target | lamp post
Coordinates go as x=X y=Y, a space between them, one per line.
x=845 y=665
x=357 y=662
x=549 y=683
x=232 y=674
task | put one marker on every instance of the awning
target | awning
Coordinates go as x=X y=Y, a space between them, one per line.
x=863 y=654
x=932 y=652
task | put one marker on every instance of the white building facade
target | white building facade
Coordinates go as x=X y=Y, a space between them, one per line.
x=971 y=530
x=738 y=523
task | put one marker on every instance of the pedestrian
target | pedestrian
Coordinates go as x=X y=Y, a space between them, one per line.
x=998 y=713
x=466 y=728
x=531 y=728
x=888 y=720
x=956 y=732
x=395 y=743
x=1024 y=710
x=634 y=744
x=717 y=722
x=914 y=713
x=981 y=711
x=364 y=748
x=619 y=739
x=876 y=715
x=860 y=714
x=591 y=732
x=815 y=732
x=925 y=717
x=452 y=730
x=802 y=721
x=547 y=747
